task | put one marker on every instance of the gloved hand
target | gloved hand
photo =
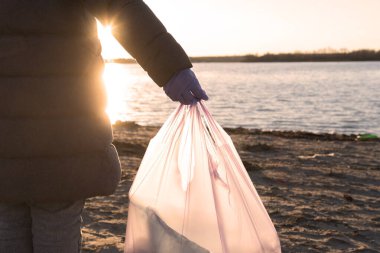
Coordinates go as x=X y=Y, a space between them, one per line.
x=185 y=88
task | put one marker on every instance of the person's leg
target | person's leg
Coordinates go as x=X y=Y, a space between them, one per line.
x=56 y=227
x=15 y=228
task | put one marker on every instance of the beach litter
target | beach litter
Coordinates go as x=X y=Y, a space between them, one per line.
x=316 y=155
x=366 y=137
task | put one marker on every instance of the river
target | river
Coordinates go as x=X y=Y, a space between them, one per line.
x=340 y=97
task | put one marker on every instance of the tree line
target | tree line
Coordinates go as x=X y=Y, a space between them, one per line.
x=358 y=55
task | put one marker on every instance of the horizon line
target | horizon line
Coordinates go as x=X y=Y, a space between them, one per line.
x=319 y=51
x=295 y=56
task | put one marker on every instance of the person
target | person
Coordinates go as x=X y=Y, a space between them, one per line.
x=56 y=139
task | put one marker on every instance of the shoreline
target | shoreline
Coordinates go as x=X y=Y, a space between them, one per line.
x=280 y=133
x=320 y=190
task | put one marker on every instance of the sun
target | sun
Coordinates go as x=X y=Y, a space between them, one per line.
x=111 y=48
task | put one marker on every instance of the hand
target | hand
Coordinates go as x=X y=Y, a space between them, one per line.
x=185 y=88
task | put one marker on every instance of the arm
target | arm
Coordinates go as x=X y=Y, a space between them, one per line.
x=141 y=33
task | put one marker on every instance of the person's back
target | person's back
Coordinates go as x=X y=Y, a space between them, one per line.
x=55 y=137
x=55 y=147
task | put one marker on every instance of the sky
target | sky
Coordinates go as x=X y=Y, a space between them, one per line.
x=238 y=27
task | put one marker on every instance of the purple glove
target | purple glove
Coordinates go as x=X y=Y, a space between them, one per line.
x=185 y=88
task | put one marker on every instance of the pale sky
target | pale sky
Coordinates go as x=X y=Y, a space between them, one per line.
x=234 y=27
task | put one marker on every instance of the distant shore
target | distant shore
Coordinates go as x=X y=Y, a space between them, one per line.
x=358 y=55
x=320 y=190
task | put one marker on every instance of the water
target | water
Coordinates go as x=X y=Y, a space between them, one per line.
x=338 y=97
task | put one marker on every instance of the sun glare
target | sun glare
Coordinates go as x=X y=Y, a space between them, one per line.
x=114 y=76
x=111 y=48
x=116 y=79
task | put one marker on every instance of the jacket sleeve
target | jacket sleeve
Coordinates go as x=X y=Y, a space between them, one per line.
x=140 y=32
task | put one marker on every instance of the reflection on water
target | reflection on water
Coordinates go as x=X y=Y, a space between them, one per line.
x=133 y=96
x=318 y=97
x=118 y=81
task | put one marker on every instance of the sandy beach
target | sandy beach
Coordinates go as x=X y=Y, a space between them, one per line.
x=322 y=191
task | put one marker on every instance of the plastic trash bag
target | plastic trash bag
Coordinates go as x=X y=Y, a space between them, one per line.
x=192 y=193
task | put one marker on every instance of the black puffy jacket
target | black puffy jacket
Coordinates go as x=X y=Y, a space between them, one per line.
x=55 y=138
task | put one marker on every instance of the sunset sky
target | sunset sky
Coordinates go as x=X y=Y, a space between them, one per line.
x=221 y=27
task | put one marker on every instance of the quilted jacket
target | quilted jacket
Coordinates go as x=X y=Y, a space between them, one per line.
x=55 y=137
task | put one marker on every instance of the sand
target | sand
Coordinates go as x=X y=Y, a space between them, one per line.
x=322 y=191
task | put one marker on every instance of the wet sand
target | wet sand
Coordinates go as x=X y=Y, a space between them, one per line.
x=322 y=191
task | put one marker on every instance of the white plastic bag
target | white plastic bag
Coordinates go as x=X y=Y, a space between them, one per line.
x=192 y=193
